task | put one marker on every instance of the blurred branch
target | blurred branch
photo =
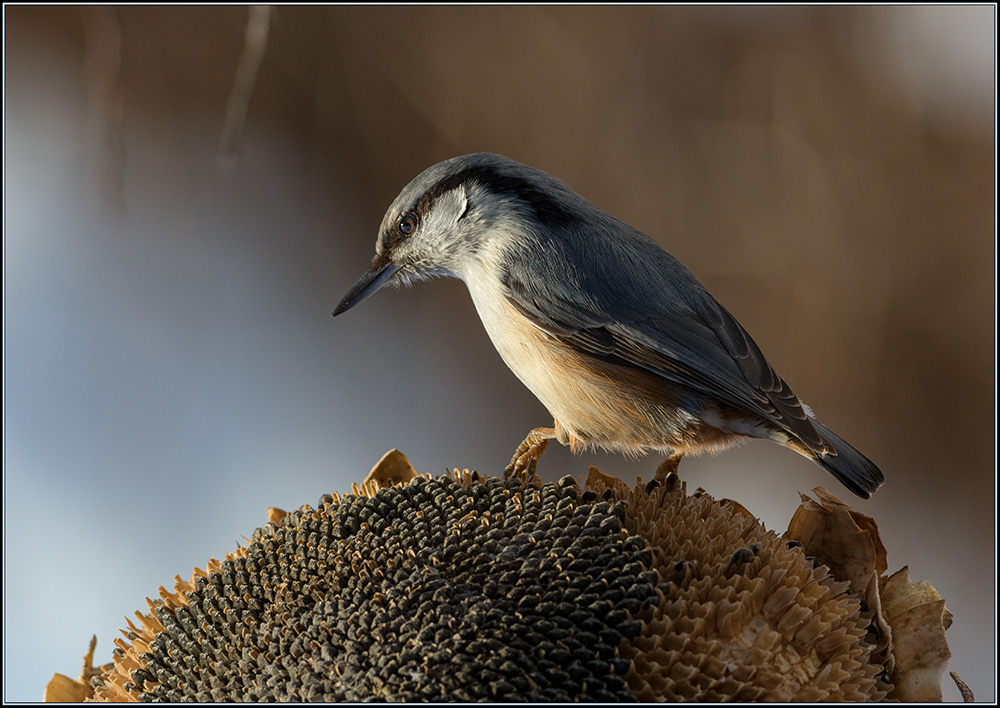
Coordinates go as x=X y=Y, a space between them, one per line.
x=258 y=26
x=105 y=102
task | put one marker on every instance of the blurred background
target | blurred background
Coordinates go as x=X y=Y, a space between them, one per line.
x=171 y=368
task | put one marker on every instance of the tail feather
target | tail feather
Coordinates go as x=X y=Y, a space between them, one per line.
x=850 y=467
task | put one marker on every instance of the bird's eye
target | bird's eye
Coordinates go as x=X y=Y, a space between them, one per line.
x=407 y=223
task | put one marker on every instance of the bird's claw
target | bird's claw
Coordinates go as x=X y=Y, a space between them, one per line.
x=666 y=472
x=522 y=464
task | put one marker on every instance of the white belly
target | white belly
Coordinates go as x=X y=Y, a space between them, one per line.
x=593 y=403
x=522 y=346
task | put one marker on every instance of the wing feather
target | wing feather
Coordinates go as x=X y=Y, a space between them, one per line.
x=640 y=307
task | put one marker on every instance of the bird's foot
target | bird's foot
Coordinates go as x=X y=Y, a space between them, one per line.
x=666 y=473
x=522 y=464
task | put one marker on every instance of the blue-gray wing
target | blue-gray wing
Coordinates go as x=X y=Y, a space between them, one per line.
x=636 y=305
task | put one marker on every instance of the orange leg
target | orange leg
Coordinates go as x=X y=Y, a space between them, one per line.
x=526 y=456
x=668 y=467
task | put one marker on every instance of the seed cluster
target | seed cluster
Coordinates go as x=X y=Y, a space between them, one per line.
x=470 y=588
x=440 y=590
x=744 y=614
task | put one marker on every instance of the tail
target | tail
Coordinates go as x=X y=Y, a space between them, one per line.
x=850 y=467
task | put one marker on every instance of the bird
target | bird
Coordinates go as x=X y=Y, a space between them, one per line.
x=621 y=343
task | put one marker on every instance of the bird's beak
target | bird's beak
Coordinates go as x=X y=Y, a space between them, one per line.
x=370 y=283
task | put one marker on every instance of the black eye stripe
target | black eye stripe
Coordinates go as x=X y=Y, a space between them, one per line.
x=544 y=206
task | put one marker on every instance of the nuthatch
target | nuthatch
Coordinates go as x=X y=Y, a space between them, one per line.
x=619 y=341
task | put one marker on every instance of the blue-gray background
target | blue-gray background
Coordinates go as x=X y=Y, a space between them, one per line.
x=171 y=369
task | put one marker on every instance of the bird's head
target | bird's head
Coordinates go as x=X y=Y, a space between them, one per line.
x=457 y=212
